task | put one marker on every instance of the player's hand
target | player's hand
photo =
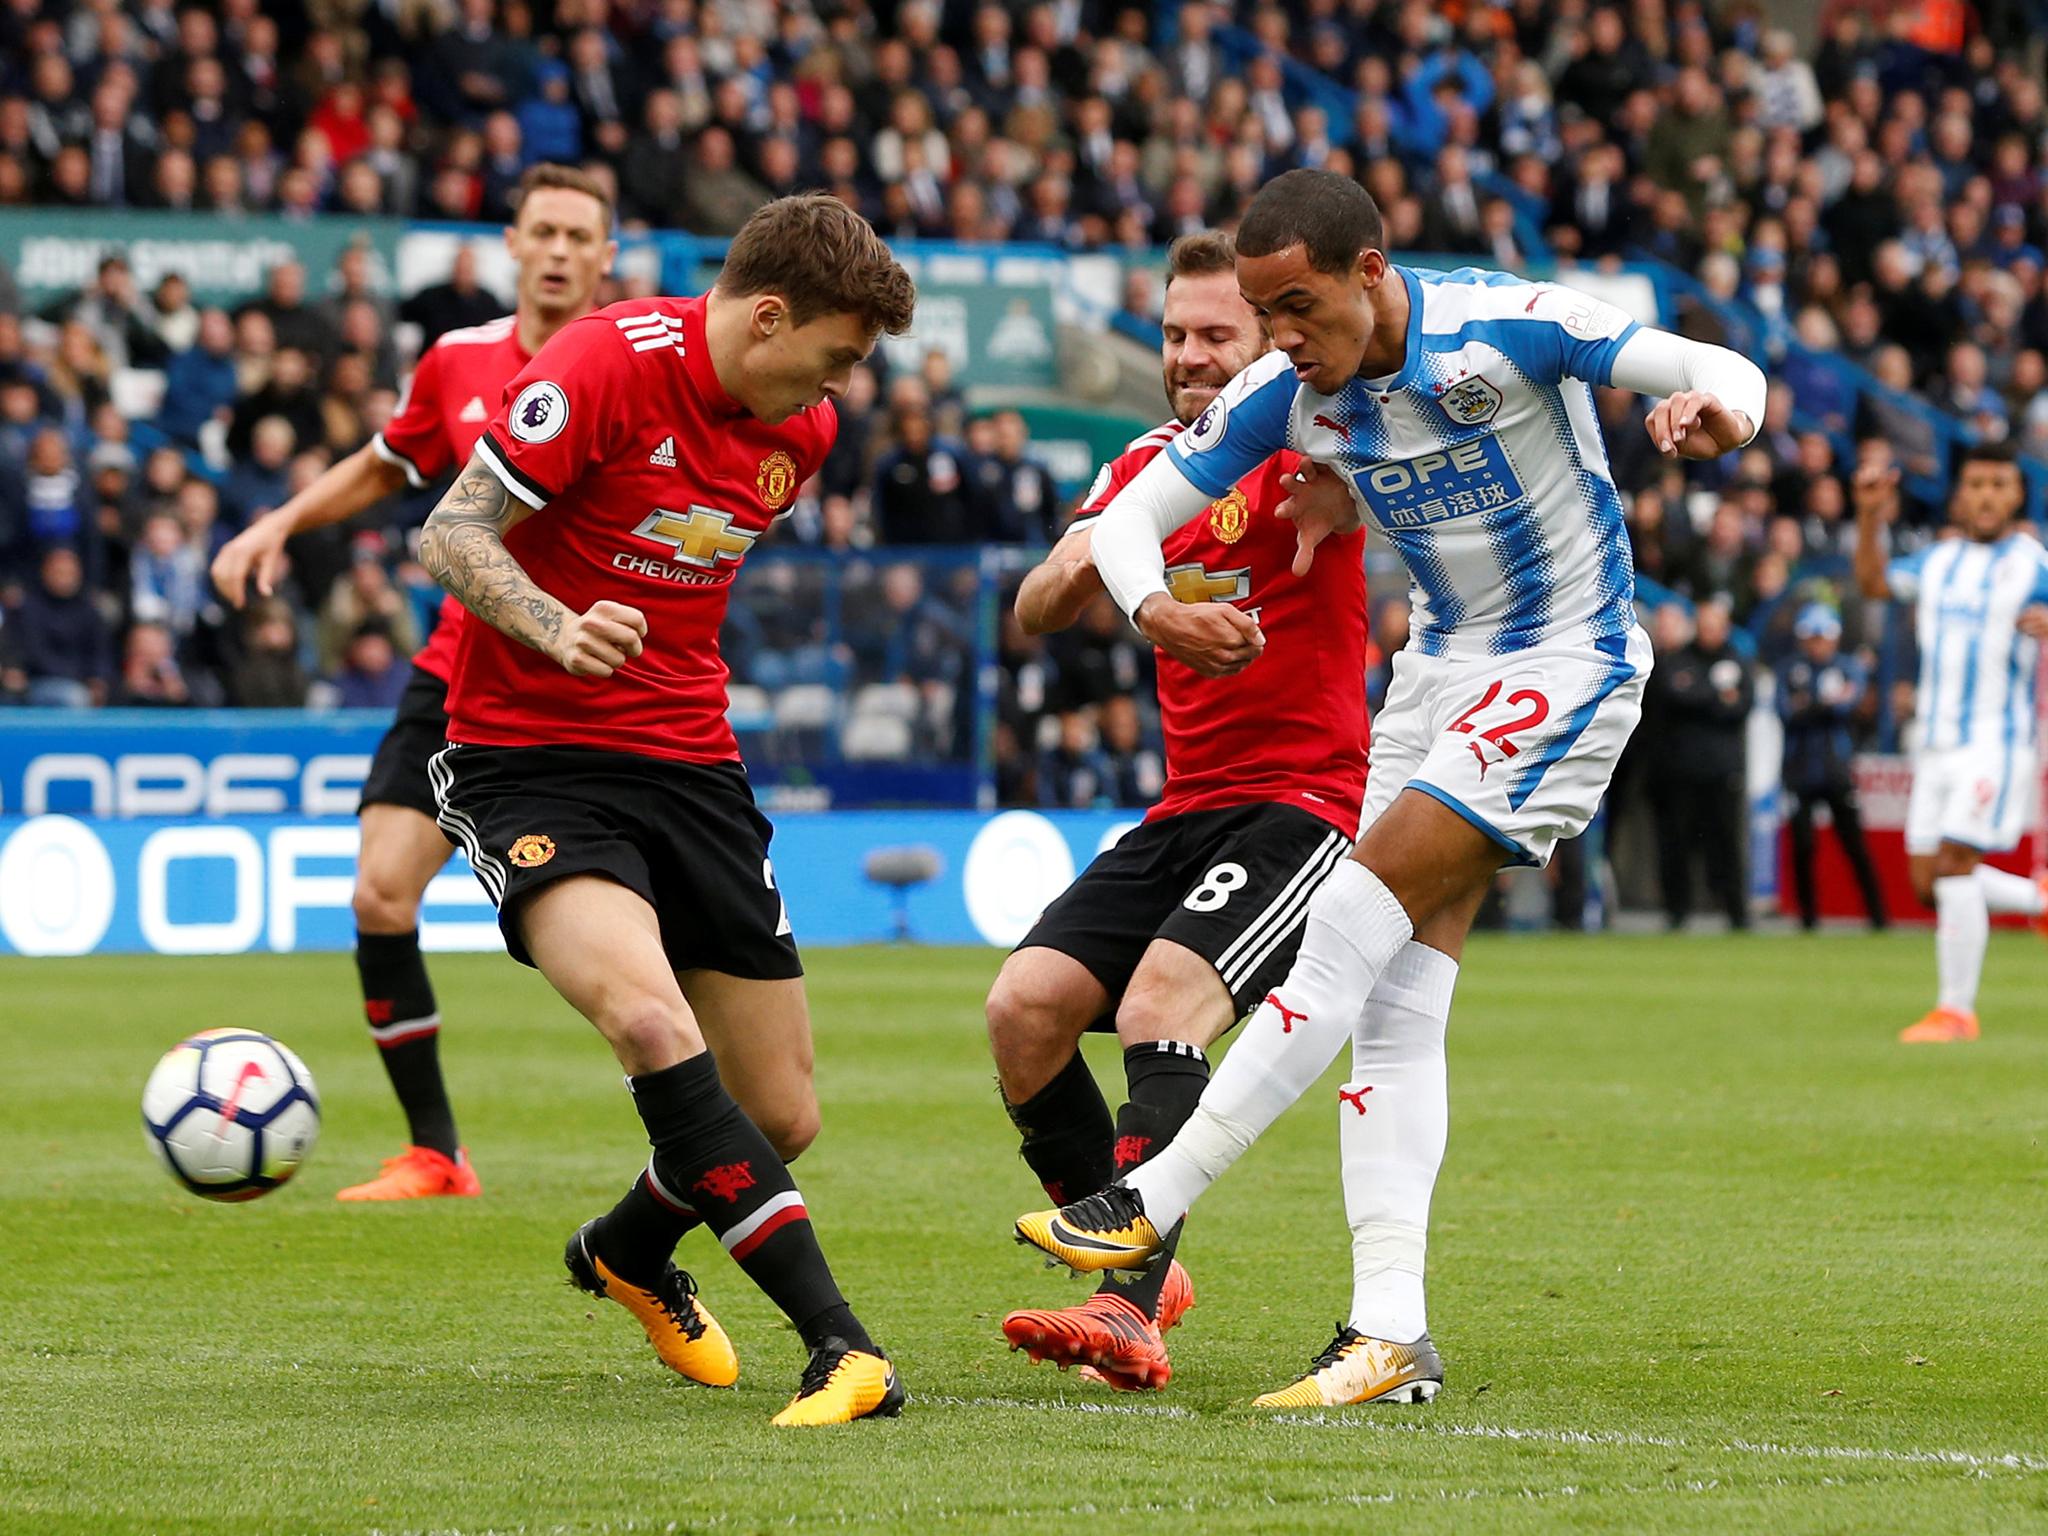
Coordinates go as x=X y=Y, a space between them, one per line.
x=1318 y=504
x=1875 y=491
x=256 y=552
x=2033 y=622
x=600 y=641
x=1694 y=424
x=1214 y=639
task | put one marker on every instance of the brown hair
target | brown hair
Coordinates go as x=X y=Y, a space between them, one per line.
x=1199 y=254
x=564 y=178
x=821 y=258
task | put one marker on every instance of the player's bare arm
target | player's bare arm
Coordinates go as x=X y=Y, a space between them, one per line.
x=345 y=488
x=1875 y=491
x=463 y=546
x=1056 y=591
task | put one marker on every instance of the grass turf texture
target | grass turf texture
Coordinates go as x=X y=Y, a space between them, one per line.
x=1711 y=1253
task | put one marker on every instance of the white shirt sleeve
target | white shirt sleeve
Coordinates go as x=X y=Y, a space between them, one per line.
x=1659 y=364
x=1128 y=534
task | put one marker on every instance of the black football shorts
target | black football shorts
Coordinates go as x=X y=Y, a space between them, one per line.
x=398 y=773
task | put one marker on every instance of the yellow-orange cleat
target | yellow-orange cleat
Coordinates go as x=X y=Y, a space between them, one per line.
x=842 y=1384
x=1358 y=1369
x=683 y=1333
x=1944 y=1026
x=1107 y=1336
x=419 y=1173
x=1108 y=1230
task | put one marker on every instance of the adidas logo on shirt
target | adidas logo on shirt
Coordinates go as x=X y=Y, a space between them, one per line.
x=665 y=455
x=474 y=411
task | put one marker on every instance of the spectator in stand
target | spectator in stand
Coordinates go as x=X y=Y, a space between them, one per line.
x=57 y=650
x=1822 y=695
x=269 y=674
x=459 y=302
x=372 y=673
x=920 y=491
x=1705 y=693
x=150 y=674
x=363 y=595
x=261 y=481
x=167 y=577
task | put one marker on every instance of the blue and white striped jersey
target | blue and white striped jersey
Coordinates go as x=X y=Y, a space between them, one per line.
x=1976 y=668
x=1481 y=461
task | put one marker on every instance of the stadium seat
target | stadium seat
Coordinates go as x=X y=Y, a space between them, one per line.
x=747 y=707
x=806 y=706
x=897 y=701
x=875 y=738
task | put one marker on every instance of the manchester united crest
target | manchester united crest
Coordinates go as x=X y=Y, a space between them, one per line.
x=776 y=480
x=1229 y=517
x=532 y=850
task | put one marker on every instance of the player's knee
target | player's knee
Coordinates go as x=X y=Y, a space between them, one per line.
x=383 y=904
x=1154 y=1013
x=791 y=1128
x=1026 y=1035
x=644 y=1027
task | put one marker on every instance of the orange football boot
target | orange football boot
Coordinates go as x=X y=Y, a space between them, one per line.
x=1107 y=1336
x=419 y=1173
x=1944 y=1026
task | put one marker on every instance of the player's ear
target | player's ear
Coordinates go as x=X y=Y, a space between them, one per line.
x=768 y=314
x=611 y=254
x=1372 y=267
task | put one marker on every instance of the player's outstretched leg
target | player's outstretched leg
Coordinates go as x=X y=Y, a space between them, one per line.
x=1393 y=1119
x=1962 y=928
x=401 y=851
x=1355 y=926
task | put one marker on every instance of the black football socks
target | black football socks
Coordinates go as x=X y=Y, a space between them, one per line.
x=398 y=1002
x=1067 y=1132
x=1166 y=1079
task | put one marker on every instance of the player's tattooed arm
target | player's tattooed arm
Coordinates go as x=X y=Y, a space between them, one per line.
x=463 y=545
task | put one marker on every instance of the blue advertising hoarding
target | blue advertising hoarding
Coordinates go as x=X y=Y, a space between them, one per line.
x=77 y=885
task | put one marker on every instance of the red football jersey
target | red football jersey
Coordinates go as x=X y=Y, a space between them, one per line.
x=649 y=485
x=1290 y=728
x=455 y=390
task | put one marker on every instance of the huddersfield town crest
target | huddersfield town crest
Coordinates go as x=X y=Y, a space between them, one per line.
x=1470 y=402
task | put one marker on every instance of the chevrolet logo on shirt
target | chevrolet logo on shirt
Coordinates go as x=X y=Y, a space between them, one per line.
x=700 y=536
x=1192 y=584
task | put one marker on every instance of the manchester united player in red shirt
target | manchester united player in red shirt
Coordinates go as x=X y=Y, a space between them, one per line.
x=561 y=241
x=1183 y=926
x=592 y=777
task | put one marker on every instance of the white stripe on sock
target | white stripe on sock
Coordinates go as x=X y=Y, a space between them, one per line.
x=732 y=1237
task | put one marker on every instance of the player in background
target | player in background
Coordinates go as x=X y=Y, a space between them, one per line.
x=1458 y=408
x=595 y=784
x=1974 y=769
x=1193 y=916
x=560 y=242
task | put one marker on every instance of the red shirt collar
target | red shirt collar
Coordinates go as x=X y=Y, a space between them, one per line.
x=697 y=359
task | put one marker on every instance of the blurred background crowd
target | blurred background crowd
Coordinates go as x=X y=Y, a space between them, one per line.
x=1858 y=192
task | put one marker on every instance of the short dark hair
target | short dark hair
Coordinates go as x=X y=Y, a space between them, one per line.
x=1331 y=217
x=1199 y=254
x=822 y=258
x=561 y=178
x=1987 y=453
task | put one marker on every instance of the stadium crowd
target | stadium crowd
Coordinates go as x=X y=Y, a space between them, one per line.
x=1880 y=197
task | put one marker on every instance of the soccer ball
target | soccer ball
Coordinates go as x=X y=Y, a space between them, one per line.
x=231 y=1113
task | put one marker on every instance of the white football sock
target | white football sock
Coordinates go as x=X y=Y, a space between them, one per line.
x=1962 y=926
x=1393 y=1118
x=2005 y=892
x=1355 y=926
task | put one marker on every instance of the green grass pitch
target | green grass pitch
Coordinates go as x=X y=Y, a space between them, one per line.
x=1711 y=1253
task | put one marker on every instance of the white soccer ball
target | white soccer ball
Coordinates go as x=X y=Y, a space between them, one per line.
x=231 y=1113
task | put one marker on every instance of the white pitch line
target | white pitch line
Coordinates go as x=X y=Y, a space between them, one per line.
x=2011 y=1461
x=2016 y=1461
